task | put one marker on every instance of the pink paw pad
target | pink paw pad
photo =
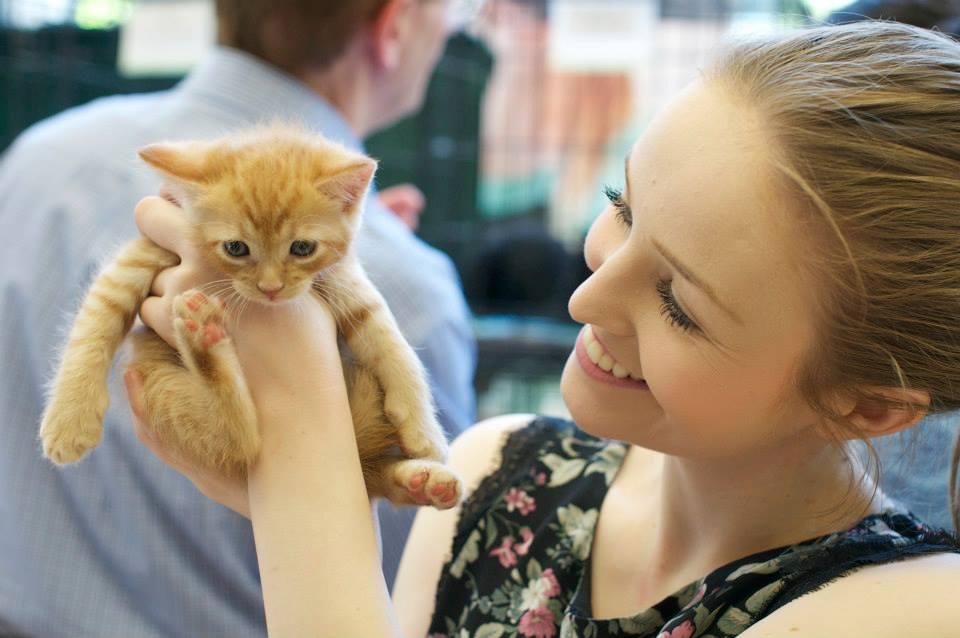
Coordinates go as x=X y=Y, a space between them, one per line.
x=417 y=481
x=212 y=334
x=197 y=300
x=446 y=493
x=191 y=325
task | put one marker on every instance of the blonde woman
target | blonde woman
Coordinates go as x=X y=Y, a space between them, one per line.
x=779 y=277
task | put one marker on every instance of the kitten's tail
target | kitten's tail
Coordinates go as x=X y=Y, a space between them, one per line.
x=78 y=399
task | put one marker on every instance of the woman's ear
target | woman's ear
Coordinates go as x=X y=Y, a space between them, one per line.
x=874 y=418
x=388 y=32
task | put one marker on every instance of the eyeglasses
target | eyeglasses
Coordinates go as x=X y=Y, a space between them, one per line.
x=460 y=13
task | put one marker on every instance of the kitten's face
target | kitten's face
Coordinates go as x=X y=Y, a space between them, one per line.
x=272 y=208
x=272 y=250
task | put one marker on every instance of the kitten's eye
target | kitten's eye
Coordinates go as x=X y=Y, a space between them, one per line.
x=301 y=248
x=236 y=248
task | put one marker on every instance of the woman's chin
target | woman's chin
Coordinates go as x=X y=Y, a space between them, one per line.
x=602 y=410
x=585 y=409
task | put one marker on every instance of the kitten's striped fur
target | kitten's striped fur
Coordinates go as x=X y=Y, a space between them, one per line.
x=267 y=187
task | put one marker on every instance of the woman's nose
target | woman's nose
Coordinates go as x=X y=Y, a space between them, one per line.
x=601 y=302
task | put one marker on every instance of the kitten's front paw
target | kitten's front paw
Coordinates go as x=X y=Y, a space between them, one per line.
x=427 y=483
x=66 y=442
x=198 y=320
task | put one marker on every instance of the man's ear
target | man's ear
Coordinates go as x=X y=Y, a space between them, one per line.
x=874 y=418
x=388 y=31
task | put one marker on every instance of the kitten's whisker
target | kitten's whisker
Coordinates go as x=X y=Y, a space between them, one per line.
x=230 y=301
x=218 y=285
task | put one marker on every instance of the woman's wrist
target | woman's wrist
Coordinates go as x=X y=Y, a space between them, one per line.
x=312 y=521
x=288 y=354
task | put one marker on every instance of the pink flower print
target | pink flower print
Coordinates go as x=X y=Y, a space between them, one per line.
x=553 y=587
x=504 y=553
x=517 y=499
x=541 y=478
x=538 y=623
x=524 y=547
x=683 y=630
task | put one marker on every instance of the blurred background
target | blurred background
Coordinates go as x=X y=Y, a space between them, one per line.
x=529 y=114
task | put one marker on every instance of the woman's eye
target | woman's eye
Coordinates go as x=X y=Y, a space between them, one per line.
x=236 y=248
x=301 y=248
x=615 y=195
x=672 y=310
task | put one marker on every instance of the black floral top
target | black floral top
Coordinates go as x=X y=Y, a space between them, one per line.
x=520 y=559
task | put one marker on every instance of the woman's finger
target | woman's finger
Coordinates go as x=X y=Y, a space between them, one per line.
x=157 y=314
x=162 y=222
x=163 y=282
x=134 y=383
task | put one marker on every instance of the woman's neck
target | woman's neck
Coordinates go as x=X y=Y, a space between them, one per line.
x=710 y=512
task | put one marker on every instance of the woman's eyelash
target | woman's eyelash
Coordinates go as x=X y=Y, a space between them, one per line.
x=615 y=195
x=671 y=309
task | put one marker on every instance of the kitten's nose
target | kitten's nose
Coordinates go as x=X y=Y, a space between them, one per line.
x=270 y=289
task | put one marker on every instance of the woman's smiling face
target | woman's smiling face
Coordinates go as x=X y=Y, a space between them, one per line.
x=697 y=288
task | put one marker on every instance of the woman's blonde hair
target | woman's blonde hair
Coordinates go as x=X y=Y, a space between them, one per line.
x=866 y=123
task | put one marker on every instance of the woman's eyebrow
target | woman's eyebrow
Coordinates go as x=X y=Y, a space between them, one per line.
x=693 y=279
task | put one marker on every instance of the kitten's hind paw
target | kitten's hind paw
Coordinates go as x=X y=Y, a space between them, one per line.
x=67 y=444
x=424 y=482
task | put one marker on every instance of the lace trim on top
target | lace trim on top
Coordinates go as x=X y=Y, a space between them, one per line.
x=518 y=450
x=837 y=561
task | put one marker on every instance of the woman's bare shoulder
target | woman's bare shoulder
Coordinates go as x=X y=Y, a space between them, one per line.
x=473 y=455
x=913 y=597
x=476 y=452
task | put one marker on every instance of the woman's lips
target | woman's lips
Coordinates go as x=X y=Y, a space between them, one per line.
x=599 y=365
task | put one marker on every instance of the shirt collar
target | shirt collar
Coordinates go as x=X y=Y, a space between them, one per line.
x=260 y=92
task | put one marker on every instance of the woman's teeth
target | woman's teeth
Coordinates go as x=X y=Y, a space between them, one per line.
x=602 y=359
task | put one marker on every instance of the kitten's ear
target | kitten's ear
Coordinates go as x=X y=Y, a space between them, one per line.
x=349 y=183
x=187 y=162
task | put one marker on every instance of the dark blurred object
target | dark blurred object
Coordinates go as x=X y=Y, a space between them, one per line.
x=48 y=70
x=519 y=269
x=943 y=15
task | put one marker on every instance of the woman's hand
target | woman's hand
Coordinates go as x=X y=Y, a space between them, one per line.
x=166 y=225
x=406 y=201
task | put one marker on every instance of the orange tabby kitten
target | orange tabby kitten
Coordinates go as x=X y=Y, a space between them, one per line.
x=276 y=208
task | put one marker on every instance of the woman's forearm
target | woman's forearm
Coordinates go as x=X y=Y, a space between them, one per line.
x=312 y=521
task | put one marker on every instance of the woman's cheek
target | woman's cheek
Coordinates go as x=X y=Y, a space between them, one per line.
x=692 y=395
